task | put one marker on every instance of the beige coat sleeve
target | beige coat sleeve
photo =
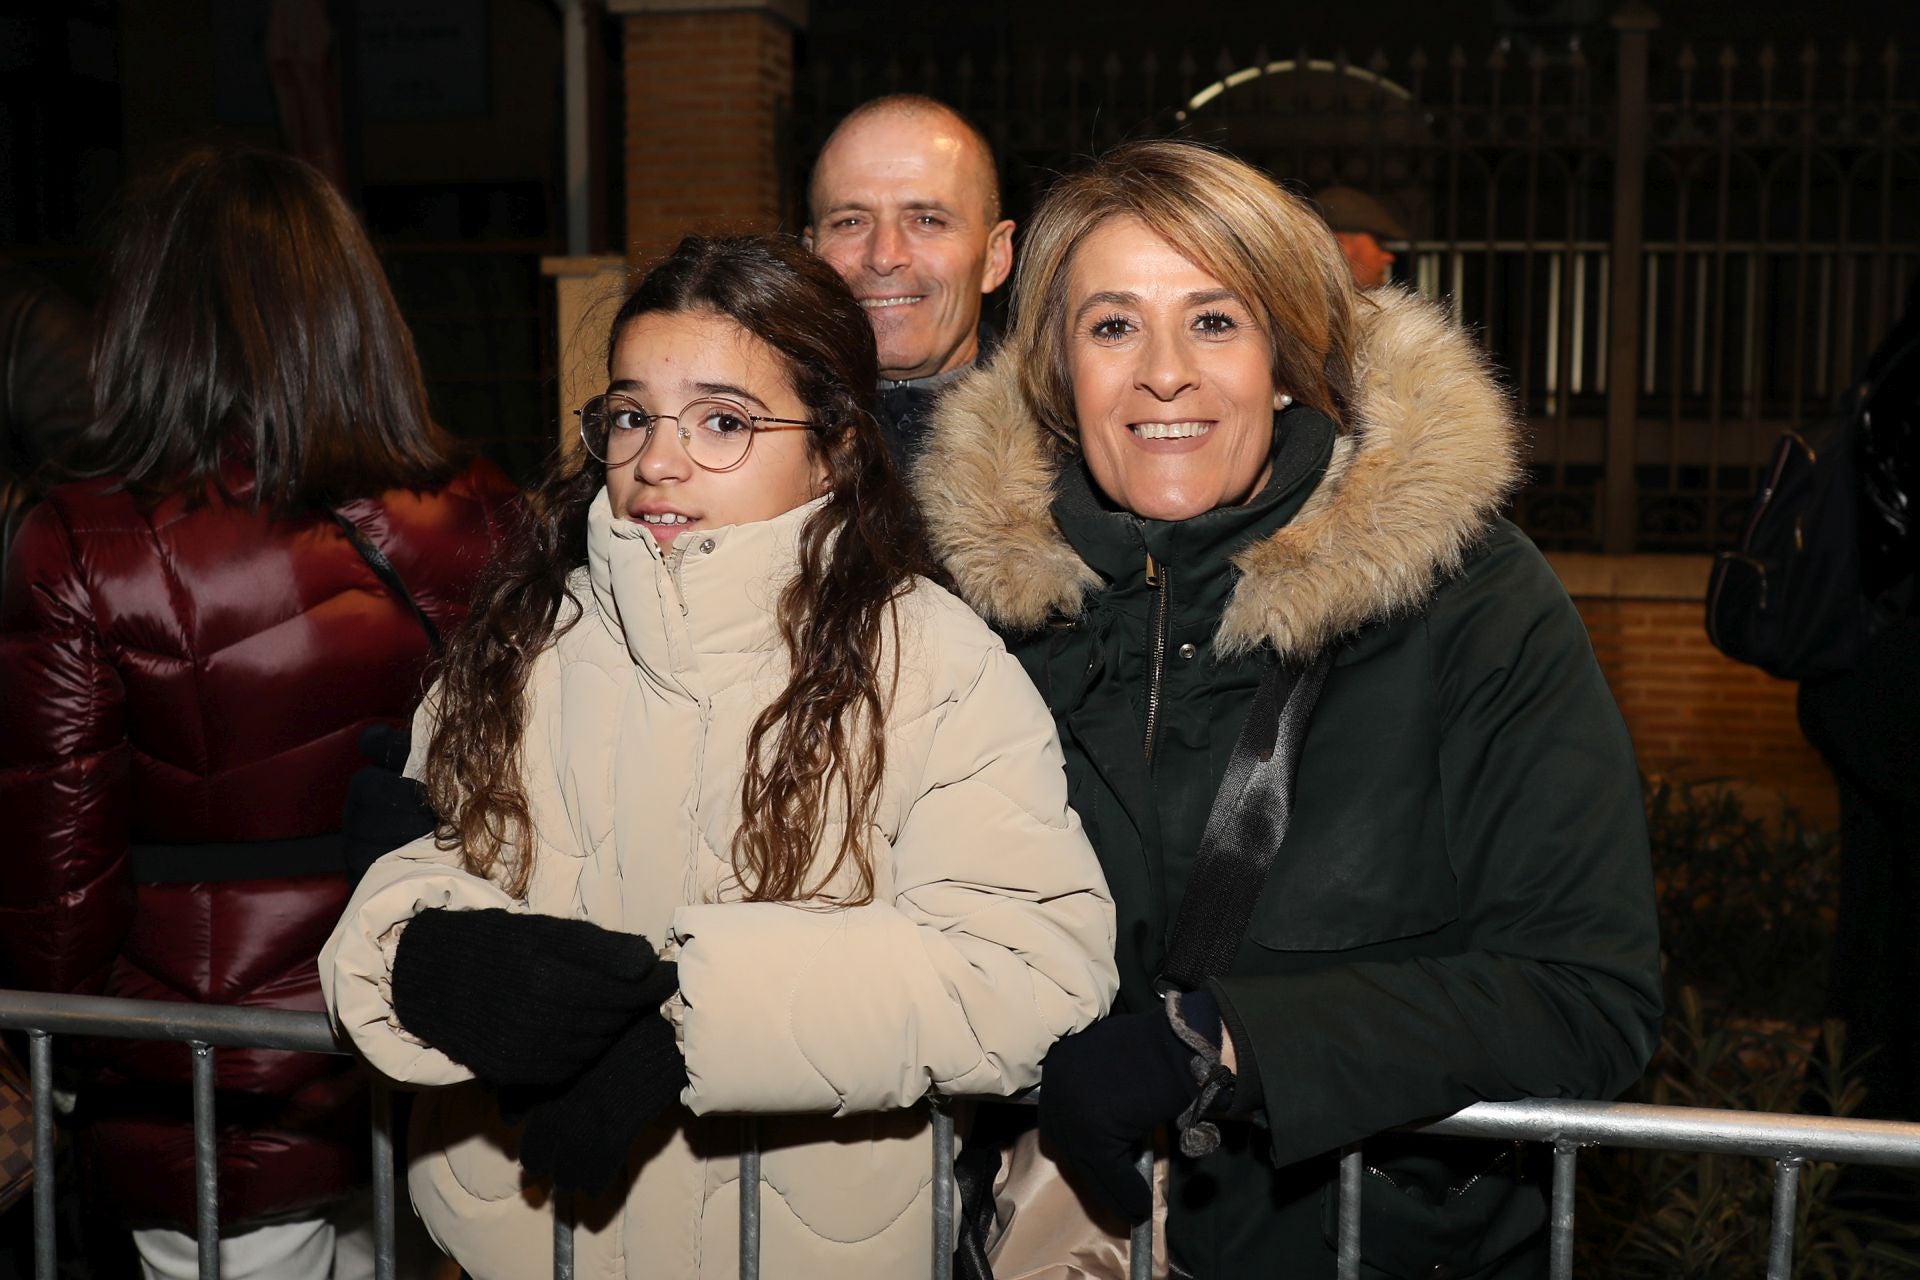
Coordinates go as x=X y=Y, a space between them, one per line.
x=356 y=964
x=998 y=941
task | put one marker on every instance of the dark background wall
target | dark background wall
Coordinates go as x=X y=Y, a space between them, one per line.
x=452 y=118
x=874 y=26
x=93 y=90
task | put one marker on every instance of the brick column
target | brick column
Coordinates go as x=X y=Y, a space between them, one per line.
x=709 y=85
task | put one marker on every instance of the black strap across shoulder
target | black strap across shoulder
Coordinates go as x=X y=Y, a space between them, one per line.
x=1245 y=827
x=383 y=569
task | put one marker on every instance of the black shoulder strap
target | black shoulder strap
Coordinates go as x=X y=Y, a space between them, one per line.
x=1245 y=827
x=383 y=569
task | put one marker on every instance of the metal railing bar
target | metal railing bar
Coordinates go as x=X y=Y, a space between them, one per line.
x=1560 y=1238
x=1347 y=1265
x=385 y=1257
x=1140 y=1243
x=234 y=1026
x=206 y=1163
x=1789 y=1140
x=562 y=1236
x=40 y=1069
x=1786 y=1191
x=945 y=1229
x=749 y=1199
x=1745 y=1133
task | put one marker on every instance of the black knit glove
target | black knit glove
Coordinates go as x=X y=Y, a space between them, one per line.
x=1102 y=1092
x=579 y=1138
x=521 y=999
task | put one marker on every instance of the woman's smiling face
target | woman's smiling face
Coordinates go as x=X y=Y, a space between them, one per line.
x=663 y=361
x=1172 y=378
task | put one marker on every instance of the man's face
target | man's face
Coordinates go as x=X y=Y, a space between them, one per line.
x=1367 y=258
x=901 y=211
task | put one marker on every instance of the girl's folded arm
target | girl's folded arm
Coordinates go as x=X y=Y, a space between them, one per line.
x=997 y=941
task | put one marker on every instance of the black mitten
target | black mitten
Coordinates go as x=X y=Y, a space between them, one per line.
x=1102 y=1091
x=579 y=1139
x=521 y=999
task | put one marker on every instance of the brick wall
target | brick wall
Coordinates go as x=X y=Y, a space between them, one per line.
x=1693 y=713
x=705 y=94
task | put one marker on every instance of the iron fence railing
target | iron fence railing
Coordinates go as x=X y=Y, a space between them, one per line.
x=1672 y=253
x=1789 y=1141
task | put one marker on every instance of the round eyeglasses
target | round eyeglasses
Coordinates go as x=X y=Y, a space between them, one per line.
x=716 y=432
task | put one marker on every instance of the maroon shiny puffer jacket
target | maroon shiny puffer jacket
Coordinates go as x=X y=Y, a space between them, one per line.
x=200 y=675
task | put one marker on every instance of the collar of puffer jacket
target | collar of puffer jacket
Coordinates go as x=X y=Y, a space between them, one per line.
x=1431 y=453
x=715 y=592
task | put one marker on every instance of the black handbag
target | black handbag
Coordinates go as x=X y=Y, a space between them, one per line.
x=1789 y=598
x=1794 y=597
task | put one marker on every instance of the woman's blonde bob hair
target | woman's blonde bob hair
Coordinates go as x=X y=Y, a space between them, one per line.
x=1224 y=216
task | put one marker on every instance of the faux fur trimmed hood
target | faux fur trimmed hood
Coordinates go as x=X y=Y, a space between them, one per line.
x=1431 y=454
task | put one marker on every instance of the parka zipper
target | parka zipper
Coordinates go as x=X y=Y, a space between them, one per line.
x=676 y=556
x=1500 y=1161
x=1160 y=582
x=1509 y=1155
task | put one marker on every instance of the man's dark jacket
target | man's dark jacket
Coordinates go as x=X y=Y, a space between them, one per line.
x=905 y=406
x=1463 y=908
x=906 y=413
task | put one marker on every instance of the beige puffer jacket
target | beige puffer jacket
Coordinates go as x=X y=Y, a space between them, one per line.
x=991 y=932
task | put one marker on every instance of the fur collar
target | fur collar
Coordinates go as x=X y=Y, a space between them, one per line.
x=1432 y=454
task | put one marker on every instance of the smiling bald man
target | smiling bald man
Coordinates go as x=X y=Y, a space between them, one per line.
x=905 y=204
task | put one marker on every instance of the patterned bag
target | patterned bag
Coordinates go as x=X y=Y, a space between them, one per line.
x=16 y=1131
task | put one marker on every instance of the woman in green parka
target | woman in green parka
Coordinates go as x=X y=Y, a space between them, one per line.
x=1202 y=455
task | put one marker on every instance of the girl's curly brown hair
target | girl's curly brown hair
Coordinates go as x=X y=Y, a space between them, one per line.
x=824 y=736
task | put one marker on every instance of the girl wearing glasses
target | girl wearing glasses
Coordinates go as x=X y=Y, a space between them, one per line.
x=738 y=813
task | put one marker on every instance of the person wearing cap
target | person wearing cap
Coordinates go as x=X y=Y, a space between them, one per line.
x=1361 y=224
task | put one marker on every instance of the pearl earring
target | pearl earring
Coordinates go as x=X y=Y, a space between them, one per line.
x=1285 y=399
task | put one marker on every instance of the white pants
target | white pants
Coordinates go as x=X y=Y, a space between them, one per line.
x=303 y=1249
x=333 y=1245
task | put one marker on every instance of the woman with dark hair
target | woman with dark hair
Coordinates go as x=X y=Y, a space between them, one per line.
x=739 y=813
x=267 y=534
x=1370 y=816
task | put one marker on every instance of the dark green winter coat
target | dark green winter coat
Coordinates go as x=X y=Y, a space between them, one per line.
x=1463 y=906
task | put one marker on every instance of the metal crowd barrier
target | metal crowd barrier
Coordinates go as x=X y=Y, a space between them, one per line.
x=1789 y=1141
